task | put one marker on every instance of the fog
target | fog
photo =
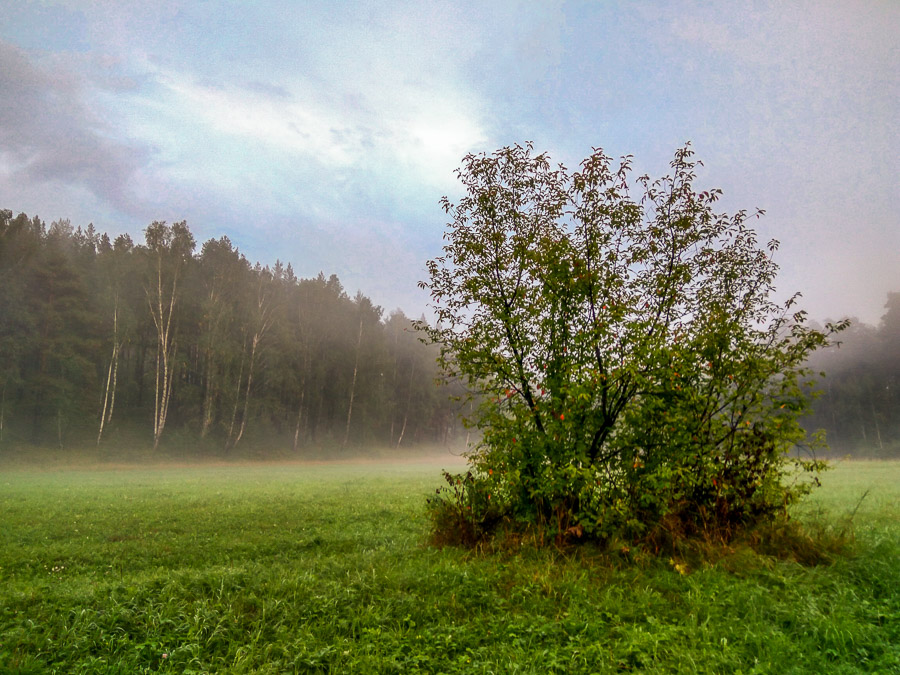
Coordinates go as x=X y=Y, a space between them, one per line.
x=116 y=344
x=327 y=136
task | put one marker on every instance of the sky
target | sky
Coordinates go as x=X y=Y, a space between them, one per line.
x=324 y=134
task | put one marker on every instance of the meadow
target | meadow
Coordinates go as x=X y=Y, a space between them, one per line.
x=295 y=568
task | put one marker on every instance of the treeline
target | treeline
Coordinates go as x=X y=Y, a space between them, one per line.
x=110 y=342
x=860 y=403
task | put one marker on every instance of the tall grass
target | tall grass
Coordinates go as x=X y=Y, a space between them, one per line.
x=305 y=568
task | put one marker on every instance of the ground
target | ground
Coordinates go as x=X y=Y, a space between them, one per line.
x=301 y=567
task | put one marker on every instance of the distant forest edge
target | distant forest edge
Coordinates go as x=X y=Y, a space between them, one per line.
x=859 y=407
x=125 y=345
x=120 y=345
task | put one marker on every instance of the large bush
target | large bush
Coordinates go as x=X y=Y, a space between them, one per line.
x=632 y=373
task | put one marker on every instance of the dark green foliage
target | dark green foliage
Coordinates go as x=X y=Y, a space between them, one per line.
x=104 y=343
x=47 y=335
x=463 y=511
x=635 y=379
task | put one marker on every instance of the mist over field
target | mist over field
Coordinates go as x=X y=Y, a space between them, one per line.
x=113 y=344
x=160 y=349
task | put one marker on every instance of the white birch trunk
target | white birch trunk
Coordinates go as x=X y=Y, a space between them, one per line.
x=109 y=394
x=162 y=318
x=253 y=347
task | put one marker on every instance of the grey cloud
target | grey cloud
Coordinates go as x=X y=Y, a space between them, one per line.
x=107 y=73
x=48 y=132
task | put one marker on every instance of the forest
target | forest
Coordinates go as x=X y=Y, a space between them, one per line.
x=859 y=406
x=113 y=343
x=117 y=344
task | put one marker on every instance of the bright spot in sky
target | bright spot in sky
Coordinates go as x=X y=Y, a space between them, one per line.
x=325 y=135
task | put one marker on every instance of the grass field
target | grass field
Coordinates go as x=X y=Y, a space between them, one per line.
x=324 y=568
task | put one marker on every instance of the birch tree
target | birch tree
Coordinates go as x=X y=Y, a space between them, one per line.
x=262 y=319
x=116 y=260
x=311 y=312
x=169 y=248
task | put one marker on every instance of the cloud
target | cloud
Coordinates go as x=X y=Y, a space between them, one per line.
x=422 y=129
x=327 y=132
x=327 y=117
x=49 y=133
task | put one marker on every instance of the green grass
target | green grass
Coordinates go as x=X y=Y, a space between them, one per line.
x=324 y=568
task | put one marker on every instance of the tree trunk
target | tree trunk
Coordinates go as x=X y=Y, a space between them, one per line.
x=253 y=346
x=237 y=397
x=164 y=397
x=109 y=394
x=302 y=400
x=264 y=319
x=162 y=318
x=299 y=415
x=140 y=370
x=353 y=382
x=2 y=410
x=207 y=408
x=412 y=371
x=106 y=396
x=115 y=383
x=862 y=424
x=59 y=434
x=875 y=420
x=213 y=337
